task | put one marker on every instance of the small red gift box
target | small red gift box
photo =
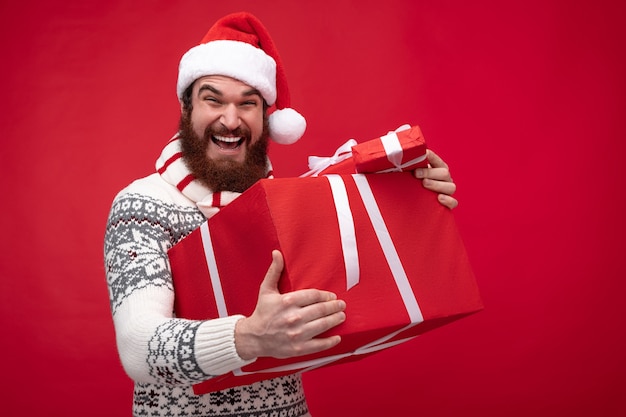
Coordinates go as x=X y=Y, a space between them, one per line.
x=400 y=150
x=382 y=243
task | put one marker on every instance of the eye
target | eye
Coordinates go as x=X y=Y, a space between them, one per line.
x=249 y=103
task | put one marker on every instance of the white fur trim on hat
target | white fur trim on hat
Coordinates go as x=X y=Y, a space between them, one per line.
x=235 y=59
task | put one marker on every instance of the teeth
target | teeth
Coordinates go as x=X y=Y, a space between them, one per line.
x=227 y=139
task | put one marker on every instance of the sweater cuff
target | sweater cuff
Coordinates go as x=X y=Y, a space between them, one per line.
x=215 y=346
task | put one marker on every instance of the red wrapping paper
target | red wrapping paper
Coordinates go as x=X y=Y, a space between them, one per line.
x=299 y=217
x=403 y=150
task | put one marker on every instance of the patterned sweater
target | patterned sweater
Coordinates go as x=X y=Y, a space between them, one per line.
x=163 y=354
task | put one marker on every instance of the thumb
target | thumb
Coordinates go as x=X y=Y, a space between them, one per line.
x=270 y=282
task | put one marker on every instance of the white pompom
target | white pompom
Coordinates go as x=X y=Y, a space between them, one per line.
x=286 y=126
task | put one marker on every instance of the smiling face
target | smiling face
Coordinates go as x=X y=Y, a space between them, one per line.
x=223 y=131
x=231 y=111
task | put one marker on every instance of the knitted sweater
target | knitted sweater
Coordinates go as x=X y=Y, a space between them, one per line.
x=163 y=354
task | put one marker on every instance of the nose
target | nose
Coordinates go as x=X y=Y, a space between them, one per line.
x=230 y=117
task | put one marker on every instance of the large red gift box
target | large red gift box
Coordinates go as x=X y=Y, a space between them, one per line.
x=381 y=242
x=401 y=150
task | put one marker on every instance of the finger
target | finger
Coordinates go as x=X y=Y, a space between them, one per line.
x=443 y=187
x=448 y=201
x=270 y=282
x=314 y=346
x=303 y=334
x=444 y=191
x=435 y=160
x=306 y=297
x=440 y=174
x=325 y=343
x=321 y=310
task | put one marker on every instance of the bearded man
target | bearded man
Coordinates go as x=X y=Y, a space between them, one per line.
x=226 y=86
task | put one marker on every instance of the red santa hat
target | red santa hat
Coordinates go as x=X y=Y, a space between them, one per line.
x=239 y=46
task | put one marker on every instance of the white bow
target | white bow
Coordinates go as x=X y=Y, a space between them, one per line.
x=319 y=163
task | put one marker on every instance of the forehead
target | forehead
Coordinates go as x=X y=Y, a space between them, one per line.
x=224 y=84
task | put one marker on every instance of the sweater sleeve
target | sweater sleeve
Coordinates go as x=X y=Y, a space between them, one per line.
x=154 y=345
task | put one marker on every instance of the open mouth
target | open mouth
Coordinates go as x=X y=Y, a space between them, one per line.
x=227 y=142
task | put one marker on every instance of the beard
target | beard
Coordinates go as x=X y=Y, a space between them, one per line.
x=223 y=174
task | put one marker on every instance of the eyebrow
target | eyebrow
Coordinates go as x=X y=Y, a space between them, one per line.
x=250 y=92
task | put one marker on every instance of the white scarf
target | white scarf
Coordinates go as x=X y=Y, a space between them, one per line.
x=174 y=171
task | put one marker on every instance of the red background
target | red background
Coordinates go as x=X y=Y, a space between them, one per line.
x=524 y=100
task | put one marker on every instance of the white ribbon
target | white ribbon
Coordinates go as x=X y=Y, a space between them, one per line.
x=346 y=229
x=401 y=128
x=214 y=276
x=393 y=149
x=402 y=167
x=319 y=163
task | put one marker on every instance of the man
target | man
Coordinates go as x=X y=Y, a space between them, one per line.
x=226 y=87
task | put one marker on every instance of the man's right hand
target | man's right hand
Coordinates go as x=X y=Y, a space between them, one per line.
x=287 y=325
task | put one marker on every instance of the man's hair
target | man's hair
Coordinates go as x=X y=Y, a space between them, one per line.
x=186 y=98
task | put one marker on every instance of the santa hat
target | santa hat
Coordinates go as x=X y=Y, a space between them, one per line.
x=239 y=46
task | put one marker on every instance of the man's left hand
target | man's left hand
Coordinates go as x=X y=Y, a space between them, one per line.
x=437 y=178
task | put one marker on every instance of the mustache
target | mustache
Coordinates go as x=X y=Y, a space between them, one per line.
x=241 y=131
